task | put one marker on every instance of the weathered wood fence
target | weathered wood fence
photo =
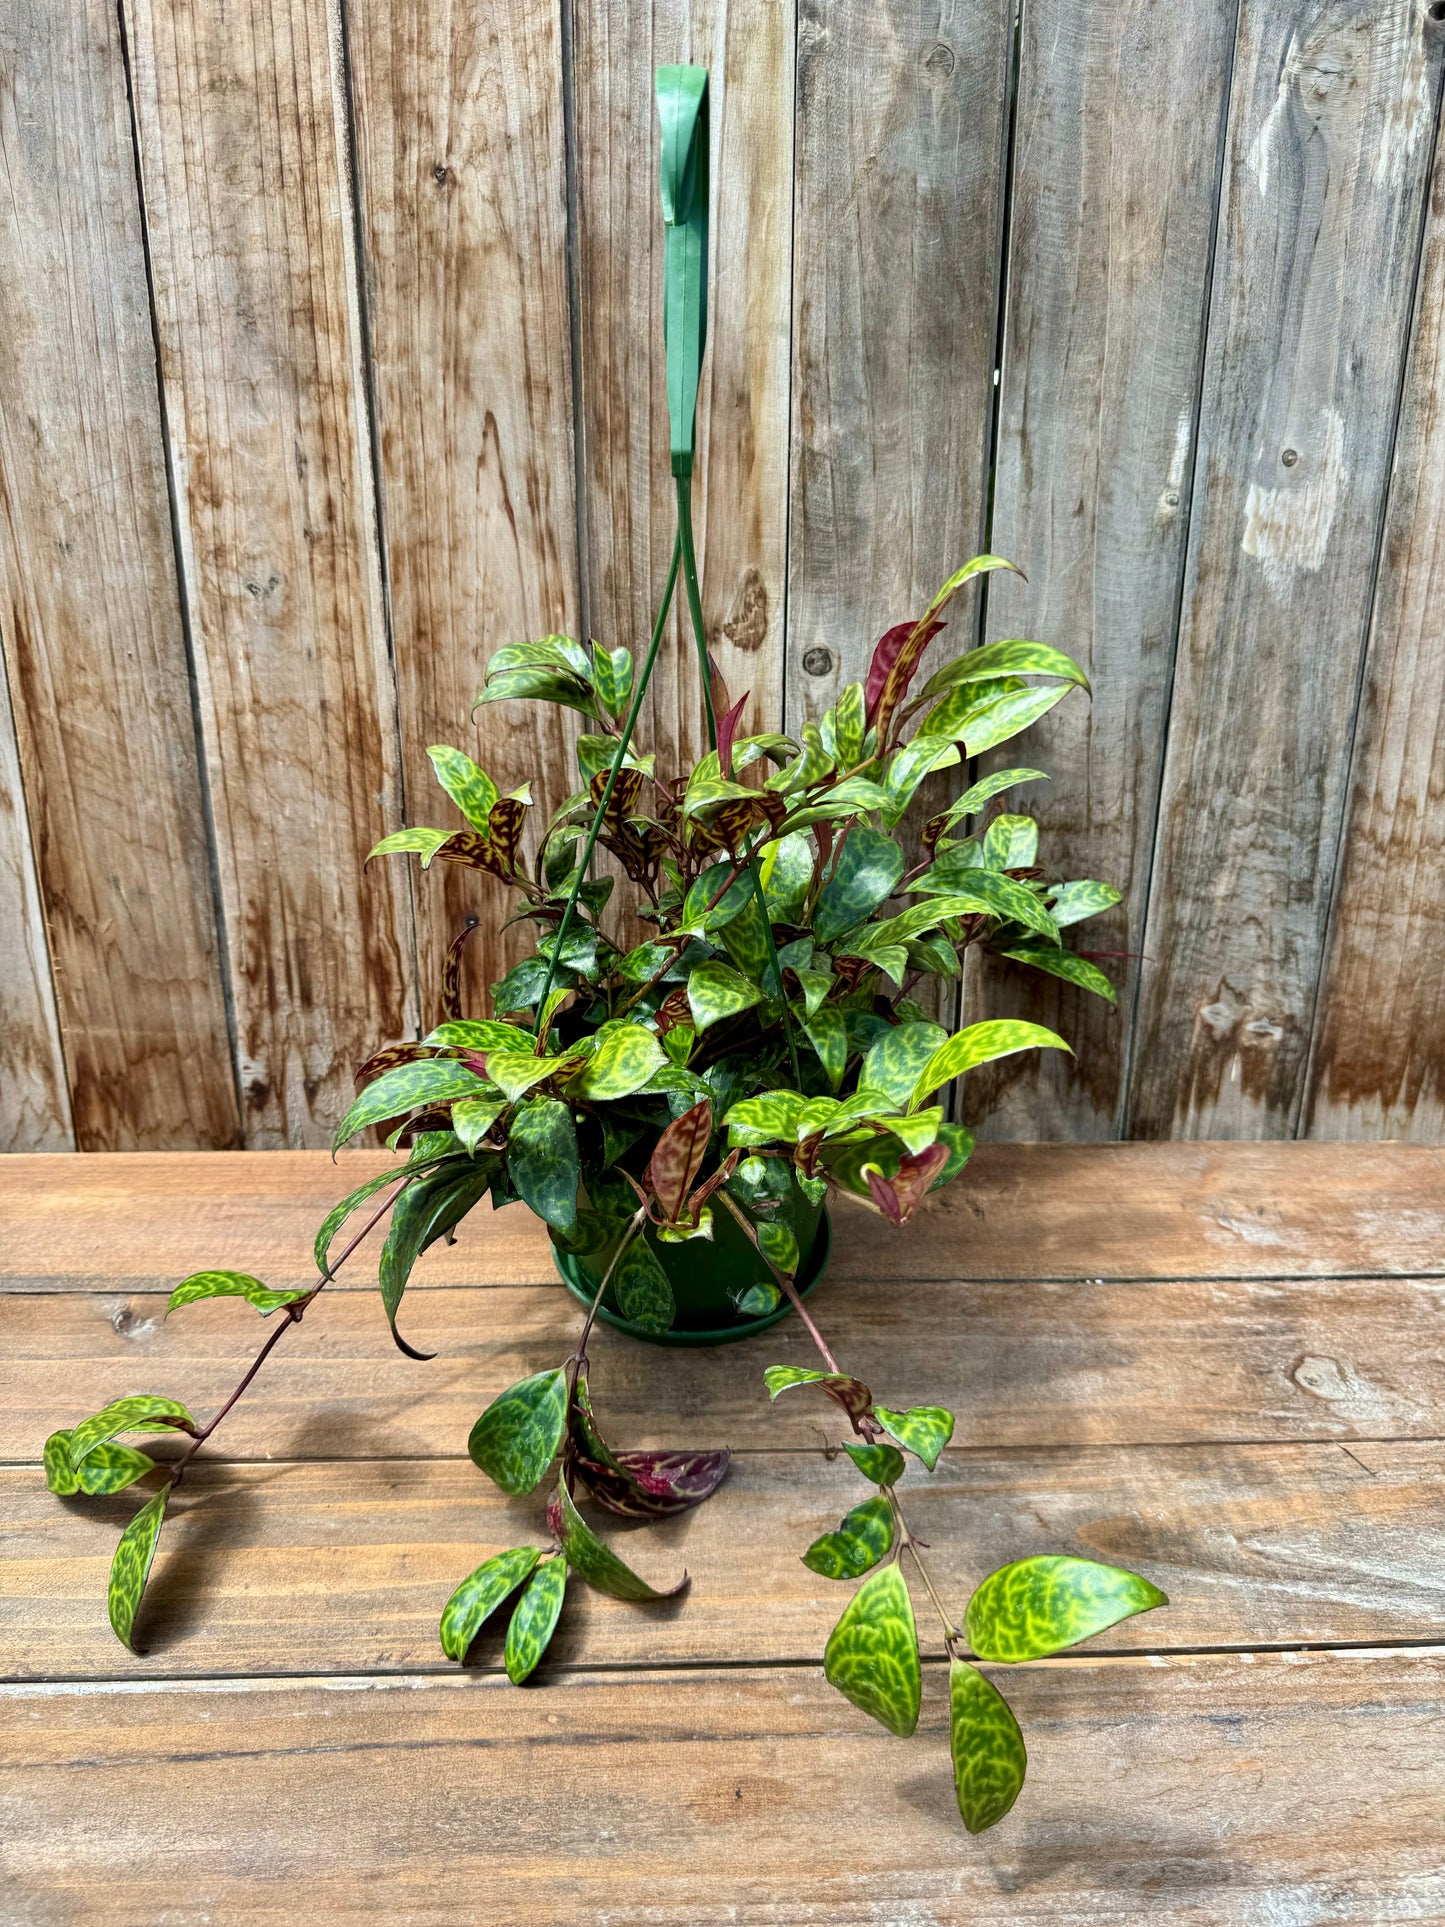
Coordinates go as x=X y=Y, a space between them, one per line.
x=326 y=366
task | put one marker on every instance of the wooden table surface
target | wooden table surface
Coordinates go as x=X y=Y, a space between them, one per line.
x=1223 y=1365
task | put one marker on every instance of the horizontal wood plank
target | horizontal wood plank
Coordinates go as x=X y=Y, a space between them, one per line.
x=1277 y=1788
x=1022 y=1210
x=1021 y=1365
x=344 y=1568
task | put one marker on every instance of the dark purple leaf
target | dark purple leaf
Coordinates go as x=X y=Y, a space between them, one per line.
x=895 y=661
x=727 y=729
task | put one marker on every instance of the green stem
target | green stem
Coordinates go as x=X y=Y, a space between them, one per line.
x=624 y=743
x=694 y=604
x=694 y=599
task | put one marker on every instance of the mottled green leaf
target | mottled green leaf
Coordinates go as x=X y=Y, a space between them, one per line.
x=866 y=874
x=896 y=1062
x=974 y=798
x=141 y=1412
x=516 y=1438
x=514 y=1072
x=475 y=1116
x=872 y=1652
x=1063 y=963
x=1039 y=1606
x=624 y=1060
x=923 y=1429
x=111 y=1467
x=534 y=1619
x=1008 y=715
x=597 y=1563
x=556 y=653
x=758 y=1300
x=767 y=1119
x=971 y=889
x=828 y=1035
x=854 y=794
x=851 y=1393
x=815 y=985
x=883 y=1464
x=479 y=1034
x=479 y=1595
x=678 y=1043
x=848 y=726
x=863 y=1538
x=470 y=788
x=407 y=1088
x=130 y=1568
x=1072 y=902
x=917 y=1129
x=701 y=912
x=644 y=1296
x=989 y=1760
x=612 y=677
x=542 y=1160
x=233 y=1284
x=426 y=1211
x=59 y=1472
x=910 y=765
x=786 y=869
x=980 y=1044
x=421 y=842
x=715 y=991
x=1009 y=658
x=541 y=685
x=779 y=1247
x=1011 y=843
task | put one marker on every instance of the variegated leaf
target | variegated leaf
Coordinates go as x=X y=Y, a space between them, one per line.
x=644 y=1293
x=1064 y=963
x=864 y=1537
x=923 y=1429
x=896 y=1062
x=535 y=1616
x=542 y=1160
x=866 y=873
x=1039 y=1606
x=470 y=788
x=989 y=1758
x=883 y=1464
x=233 y=1284
x=421 y=842
x=597 y=1563
x=677 y=1158
x=408 y=1088
x=980 y=1044
x=479 y=1595
x=141 y=1412
x=131 y=1565
x=851 y=1393
x=516 y=1438
x=872 y=1652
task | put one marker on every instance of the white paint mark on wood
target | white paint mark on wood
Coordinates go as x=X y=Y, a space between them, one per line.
x=1261 y=148
x=1287 y=524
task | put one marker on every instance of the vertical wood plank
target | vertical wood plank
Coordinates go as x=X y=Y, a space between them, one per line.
x=240 y=111
x=1379 y=1060
x=1115 y=156
x=91 y=620
x=740 y=490
x=34 y=1099
x=464 y=198
x=1327 y=159
x=900 y=152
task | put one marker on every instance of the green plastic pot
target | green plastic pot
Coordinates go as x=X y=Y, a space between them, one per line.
x=707 y=1277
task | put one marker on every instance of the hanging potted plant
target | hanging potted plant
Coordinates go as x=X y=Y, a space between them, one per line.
x=678 y=1111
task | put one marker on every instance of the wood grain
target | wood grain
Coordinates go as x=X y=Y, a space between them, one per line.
x=741 y=489
x=1255 y=1546
x=1118 y=126
x=34 y=1095
x=91 y=625
x=137 y=1223
x=1022 y=1364
x=463 y=193
x=1240 y=1788
x=900 y=151
x=1324 y=190
x=241 y=128
x=1379 y=1053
